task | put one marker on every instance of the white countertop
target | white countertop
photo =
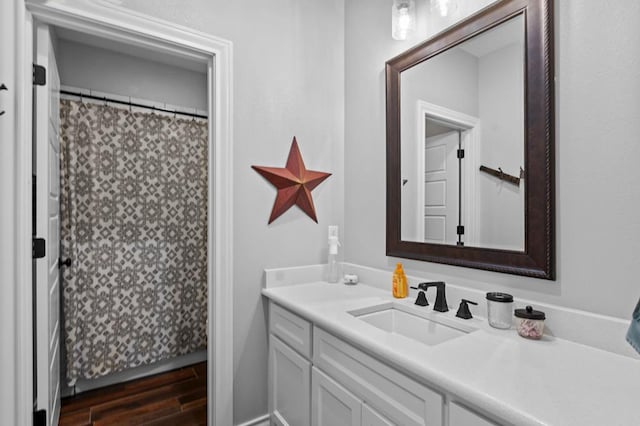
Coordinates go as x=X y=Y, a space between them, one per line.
x=525 y=382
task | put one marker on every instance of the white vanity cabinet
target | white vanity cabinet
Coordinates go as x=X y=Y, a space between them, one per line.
x=332 y=404
x=318 y=379
x=289 y=368
x=390 y=397
x=460 y=416
x=371 y=417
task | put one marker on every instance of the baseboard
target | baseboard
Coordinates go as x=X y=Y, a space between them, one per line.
x=258 y=421
x=83 y=385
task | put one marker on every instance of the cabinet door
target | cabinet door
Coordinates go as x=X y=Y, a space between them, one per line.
x=460 y=416
x=371 y=417
x=401 y=399
x=289 y=385
x=332 y=405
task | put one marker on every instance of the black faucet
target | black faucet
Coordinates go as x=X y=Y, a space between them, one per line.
x=441 y=299
x=463 y=310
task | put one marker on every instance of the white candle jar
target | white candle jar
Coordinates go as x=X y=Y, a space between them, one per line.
x=499 y=310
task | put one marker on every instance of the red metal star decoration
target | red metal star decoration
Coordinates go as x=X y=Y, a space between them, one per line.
x=294 y=183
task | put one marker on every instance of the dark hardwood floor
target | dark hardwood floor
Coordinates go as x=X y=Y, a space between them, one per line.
x=178 y=397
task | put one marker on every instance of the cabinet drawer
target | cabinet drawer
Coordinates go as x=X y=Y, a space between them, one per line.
x=291 y=329
x=395 y=396
x=461 y=416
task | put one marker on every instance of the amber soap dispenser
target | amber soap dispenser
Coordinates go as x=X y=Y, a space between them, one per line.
x=399 y=282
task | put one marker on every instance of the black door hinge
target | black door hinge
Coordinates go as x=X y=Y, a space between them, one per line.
x=38 y=248
x=33 y=204
x=460 y=230
x=40 y=418
x=39 y=75
x=461 y=153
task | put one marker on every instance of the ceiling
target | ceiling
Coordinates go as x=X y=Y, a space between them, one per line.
x=129 y=49
x=505 y=34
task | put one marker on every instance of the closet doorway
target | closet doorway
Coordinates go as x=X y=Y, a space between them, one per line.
x=135 y=275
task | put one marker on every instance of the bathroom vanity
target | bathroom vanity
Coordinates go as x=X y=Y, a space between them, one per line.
x=339 y=384
x=354 y=355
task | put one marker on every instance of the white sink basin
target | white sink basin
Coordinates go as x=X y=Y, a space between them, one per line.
x=403 y=320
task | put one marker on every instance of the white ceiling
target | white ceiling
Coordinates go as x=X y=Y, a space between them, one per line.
x=435 y=128
x=128 y=49
x=507 y=33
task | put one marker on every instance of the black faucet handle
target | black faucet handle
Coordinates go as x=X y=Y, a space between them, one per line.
x=424 y=286
x=463 y=310
x=421 y=300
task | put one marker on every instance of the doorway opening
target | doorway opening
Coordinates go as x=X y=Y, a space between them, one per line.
x=121 y=198
x=166 y=134
x=449 y=143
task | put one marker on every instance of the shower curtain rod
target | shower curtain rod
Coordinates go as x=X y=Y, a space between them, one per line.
x=129 y=103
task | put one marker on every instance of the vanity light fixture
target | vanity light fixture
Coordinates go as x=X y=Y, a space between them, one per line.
x=403 y=19
x=443 y=7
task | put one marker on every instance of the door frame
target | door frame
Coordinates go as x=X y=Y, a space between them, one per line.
x=471 y=131
x=16 y=327
x=106 y=20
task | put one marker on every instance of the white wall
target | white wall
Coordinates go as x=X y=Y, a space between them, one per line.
x=9 y=332
x=448 y=80
x=91 y=67
x=288 y=59
x=597 y=151
x=501 y=111
x=290 y=70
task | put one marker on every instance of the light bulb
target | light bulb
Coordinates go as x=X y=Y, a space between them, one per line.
x=443 y=7
x=403 y=19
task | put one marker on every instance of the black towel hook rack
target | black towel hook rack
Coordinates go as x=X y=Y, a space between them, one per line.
x=3 y=87
x=502 y=175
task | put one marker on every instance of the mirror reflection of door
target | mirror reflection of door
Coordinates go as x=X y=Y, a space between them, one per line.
x=441 y=184
x=445 y=199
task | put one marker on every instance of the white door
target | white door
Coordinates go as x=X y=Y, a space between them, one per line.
x=331 y=404
x=441 y=189
x=47 y=169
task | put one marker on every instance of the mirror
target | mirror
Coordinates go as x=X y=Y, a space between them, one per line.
x=468 y=100
x=470 y=144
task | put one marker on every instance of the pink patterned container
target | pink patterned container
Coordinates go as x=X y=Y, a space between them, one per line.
x=529 y=322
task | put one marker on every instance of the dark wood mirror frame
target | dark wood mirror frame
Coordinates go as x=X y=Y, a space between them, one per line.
x=538 y=258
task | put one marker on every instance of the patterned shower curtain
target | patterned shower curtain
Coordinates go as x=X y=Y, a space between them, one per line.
x=134 y=223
